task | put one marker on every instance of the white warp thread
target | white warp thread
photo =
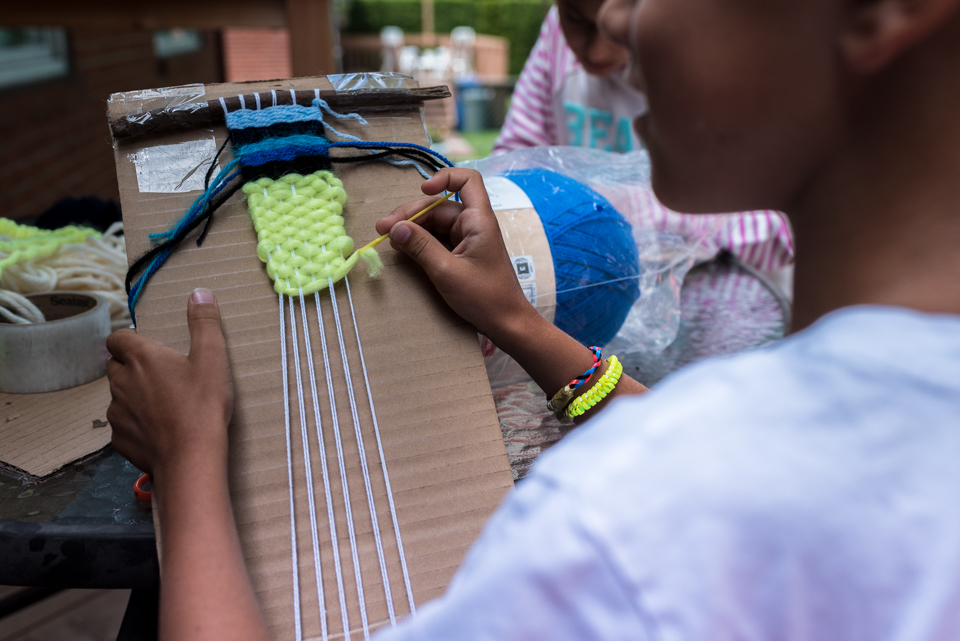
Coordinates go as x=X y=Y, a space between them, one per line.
x=323 y=466
x=363 y=455
x=308 y=467
x=293 y=519
x=343 y=474
x=383 y=459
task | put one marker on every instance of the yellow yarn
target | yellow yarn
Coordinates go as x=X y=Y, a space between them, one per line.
x=301 y=237
x=598 y=392
x=22 y=242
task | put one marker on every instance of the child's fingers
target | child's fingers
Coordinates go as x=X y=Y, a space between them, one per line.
x=128 y=445
x=467 y=181
x=420 y=245
x=120 y=343
x=408 y=210
x=403 y=212
x=474 y=229
x=114 y=367
x=207 y=344
x=441 y=218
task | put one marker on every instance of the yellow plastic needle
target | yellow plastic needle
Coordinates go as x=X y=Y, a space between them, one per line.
x=376 y=242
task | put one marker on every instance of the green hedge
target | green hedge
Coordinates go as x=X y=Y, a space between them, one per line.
x=516 y=20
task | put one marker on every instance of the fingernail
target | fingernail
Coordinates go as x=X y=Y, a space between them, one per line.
x=201 y=295
x=400 y=233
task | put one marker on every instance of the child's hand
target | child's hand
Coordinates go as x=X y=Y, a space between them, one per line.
x=169 y=416
x=170 y=410
x=476 y=278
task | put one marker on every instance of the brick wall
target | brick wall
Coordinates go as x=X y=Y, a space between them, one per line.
x=256 y=54
x=54 y=139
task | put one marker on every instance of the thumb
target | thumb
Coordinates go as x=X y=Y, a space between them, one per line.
x=420 y=245
x=203 y=319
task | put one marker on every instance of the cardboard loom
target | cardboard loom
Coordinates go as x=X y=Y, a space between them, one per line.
x=443 y=447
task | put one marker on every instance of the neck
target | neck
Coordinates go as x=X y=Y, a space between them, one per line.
x=881 y=225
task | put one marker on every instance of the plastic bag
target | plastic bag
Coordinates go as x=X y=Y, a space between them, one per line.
x=667 y=244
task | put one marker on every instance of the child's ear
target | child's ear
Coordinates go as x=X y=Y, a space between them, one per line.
x=878 y=31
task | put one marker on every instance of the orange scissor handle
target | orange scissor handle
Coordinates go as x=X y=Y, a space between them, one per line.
x=142 y=495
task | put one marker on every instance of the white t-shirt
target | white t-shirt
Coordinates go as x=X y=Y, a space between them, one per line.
x=805 y=491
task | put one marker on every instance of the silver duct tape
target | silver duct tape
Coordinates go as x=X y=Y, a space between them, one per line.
x=66 y=350
x=174 y=169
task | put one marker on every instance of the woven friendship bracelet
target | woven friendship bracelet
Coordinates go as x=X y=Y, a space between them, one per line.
x=598 y=392
x=561 y=398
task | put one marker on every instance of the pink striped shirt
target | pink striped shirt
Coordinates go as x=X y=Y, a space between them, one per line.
x=555 y=102
x=761 y=239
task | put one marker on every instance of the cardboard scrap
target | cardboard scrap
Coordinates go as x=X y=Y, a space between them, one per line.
x=441 y=439
x=40 y=433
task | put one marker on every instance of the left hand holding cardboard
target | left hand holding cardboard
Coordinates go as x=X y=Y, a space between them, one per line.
x=168 y=409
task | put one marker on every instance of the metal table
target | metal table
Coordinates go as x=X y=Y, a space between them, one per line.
x=83 y=528
x=80 y=528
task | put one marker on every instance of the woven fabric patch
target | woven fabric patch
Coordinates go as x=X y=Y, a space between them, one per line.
x=299 y=224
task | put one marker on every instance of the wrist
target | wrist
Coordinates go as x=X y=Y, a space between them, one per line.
x=518 y=330
x=203 y=458
x=197 y=471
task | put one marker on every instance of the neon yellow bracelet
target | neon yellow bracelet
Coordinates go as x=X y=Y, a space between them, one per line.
x=562 y=398
x=598 y=392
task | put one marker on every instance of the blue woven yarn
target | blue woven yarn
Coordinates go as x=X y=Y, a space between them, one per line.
x=293 y=147
x=253 y=118
x=595 y=257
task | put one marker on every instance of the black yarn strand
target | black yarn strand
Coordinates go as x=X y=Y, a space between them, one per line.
x=141 y=263
x=206 y=186
x=411 y=154
x=213 y=163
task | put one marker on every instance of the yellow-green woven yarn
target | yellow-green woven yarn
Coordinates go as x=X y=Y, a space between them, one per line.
x=22 y=242
x=301 y=237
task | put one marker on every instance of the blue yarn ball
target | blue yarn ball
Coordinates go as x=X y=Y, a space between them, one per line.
x=595 y=257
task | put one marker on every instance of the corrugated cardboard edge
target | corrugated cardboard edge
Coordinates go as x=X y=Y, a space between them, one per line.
x=41 y=433
x=447 y=461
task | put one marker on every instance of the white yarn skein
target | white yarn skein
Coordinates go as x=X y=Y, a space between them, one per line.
x=97 y=265
x=18 y=310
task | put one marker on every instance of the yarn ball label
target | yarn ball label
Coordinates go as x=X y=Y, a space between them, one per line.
x=506 y=194
x=530 y=291
x=525 y=268
x=529 y=251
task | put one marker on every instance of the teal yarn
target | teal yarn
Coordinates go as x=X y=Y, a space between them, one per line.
x=595 y=256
